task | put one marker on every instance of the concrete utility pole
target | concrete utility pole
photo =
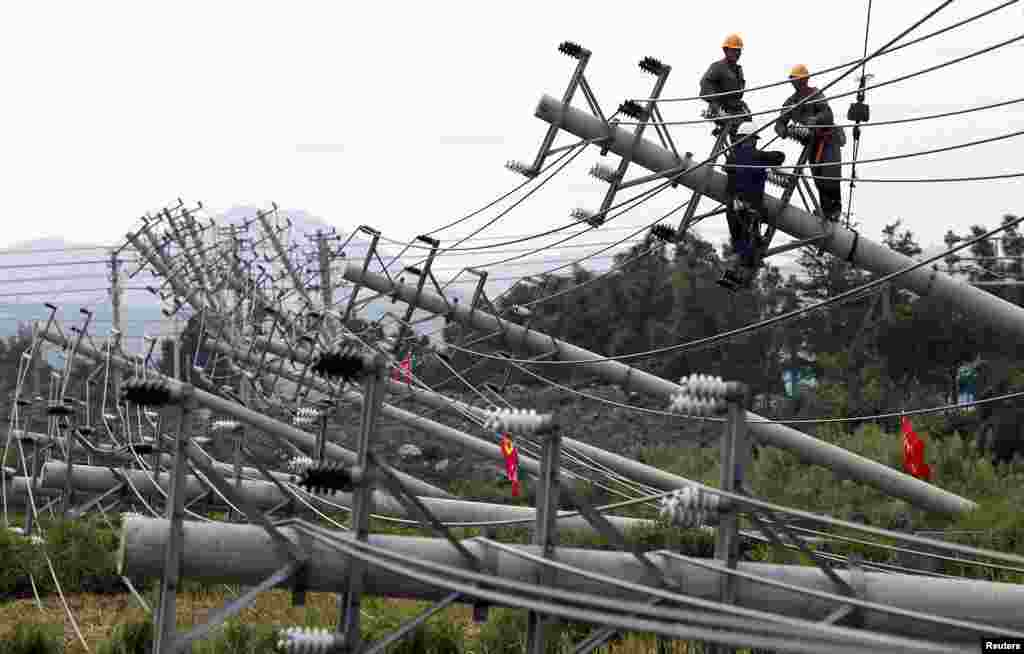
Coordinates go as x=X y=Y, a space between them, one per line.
x=254 y=419
x=812 y=450
x=116 y=294
x=466 y=442
x=232 y=553
x=266 y=495
x=840 y=241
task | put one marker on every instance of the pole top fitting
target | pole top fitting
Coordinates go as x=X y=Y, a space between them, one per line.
x=155 y=392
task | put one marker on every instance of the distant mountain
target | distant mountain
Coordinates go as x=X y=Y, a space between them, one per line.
x=75 y=275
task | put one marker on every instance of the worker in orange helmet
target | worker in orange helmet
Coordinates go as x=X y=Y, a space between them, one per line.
x=722 y=85
x=827 y=139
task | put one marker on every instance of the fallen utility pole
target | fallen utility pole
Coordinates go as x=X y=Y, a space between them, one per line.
x=808 y=448
x=463 y=440
x=124 y=455
x=265 y=495
x=840 y=241
x=231 y=553
x=307 y=442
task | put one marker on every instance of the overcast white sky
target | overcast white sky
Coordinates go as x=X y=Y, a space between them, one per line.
x=401 y=115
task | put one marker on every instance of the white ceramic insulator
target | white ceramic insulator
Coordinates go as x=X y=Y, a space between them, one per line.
x=602 y=172
x=688 y=507
x=224 y=425
x=300 y=464
x=306 y=416
x=518 y=167
x=301 y=640
x=515 y=420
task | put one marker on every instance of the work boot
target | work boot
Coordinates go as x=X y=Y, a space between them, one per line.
x=728 y=281
x=745 y=276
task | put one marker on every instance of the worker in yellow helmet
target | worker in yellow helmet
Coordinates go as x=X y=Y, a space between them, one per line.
x=827 y=140
x=722 y=85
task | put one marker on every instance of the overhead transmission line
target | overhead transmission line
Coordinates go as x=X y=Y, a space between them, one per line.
x=785 y=111
x=860 y=116
x=892 y=157
x=895 y=80
x=558 y=164
x=70 y=290
x=83 y=248
x=648 y=193
x=769 y=322
x=771 y=421
x=856 y=62
x=52 y=264
x=955 y=179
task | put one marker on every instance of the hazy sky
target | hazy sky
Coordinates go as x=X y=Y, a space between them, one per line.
x=402 y=115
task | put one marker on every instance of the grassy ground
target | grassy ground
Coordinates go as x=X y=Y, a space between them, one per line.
x=666 y=443
x=100 y=615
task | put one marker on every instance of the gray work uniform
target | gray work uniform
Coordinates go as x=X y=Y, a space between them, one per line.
x=827 y=145
x=722 y=77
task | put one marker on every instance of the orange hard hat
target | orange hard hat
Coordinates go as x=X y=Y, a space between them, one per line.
x=799 y=70
x=733 y=41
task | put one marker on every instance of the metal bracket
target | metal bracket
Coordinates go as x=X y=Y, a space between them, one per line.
x=423 y=275
x=582 y=55
x=375 y=238
x=642 y=115
x=695 y=196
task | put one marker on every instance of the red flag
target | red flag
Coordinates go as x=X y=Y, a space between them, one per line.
x=405 y=370
x=913 y=451
x=511 y=462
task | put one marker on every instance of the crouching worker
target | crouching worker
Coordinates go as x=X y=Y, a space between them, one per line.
x=747 y=171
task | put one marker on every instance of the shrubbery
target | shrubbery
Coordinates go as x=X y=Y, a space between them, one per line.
x=34 y=639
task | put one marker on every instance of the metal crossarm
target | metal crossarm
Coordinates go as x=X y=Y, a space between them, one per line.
x=407 y=627
x=691 y=207
x=370 y=253
x=608 y=530
x=582 y=56
x=419 y=509
x=545 y=535
x=182 y=643
x=282 y=254
x=81 y=509
x=671 y=172
x=821 y=563
x=642 y=115
x=423 y=274
x=254 y=515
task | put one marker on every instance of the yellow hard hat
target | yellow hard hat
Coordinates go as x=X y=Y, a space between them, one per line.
x=733 y=41
x=799 y=70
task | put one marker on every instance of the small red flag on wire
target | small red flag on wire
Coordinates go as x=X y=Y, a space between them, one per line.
x=511 y=462
x=913 y=452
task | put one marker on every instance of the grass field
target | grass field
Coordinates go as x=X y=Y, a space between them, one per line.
x=81 y=551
